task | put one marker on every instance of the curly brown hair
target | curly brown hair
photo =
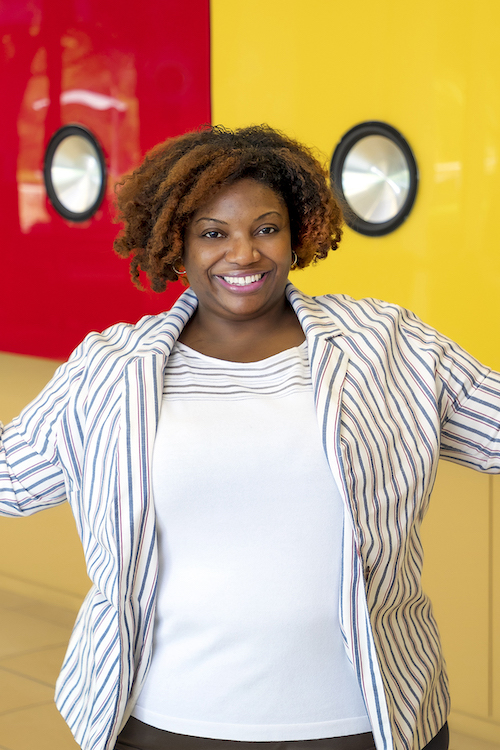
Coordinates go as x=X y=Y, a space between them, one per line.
x=157 y=200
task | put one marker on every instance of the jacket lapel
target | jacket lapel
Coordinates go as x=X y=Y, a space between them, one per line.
x=141 y=403
x=328 y=370
x=142 y=388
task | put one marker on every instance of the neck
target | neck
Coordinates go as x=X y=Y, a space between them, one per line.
x=244 y=340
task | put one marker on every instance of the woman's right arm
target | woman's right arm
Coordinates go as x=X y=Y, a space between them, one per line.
x=31 y=476
x=28 y=482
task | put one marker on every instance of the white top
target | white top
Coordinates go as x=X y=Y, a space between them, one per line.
x=247 y=638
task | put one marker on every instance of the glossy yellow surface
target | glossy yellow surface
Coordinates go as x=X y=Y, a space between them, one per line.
x=432 y=70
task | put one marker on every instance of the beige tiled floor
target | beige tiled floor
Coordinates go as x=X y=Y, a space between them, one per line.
x=33 y=638
x=462 y=742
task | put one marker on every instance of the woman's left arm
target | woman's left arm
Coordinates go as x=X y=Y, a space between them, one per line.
x=470 y=433
x=466 y=393
x=470 y=407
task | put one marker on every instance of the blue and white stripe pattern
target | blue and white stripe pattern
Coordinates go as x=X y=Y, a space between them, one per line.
x=191 y=376
x=392 y=395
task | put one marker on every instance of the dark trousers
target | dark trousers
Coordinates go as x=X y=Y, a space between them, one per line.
x=138 y=736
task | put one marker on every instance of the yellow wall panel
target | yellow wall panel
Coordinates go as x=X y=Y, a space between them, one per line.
x=432 y=71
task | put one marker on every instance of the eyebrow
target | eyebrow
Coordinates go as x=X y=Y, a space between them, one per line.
x=210 y=218
x=219 y=221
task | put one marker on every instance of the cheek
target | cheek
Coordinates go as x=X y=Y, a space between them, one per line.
x=190 y=258
x=197 y=266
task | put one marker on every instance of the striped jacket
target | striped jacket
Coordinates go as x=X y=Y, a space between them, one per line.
x=392 y=395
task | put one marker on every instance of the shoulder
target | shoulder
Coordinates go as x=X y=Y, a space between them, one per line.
x=365 y=309
x=103 y=356
x=152 y=334
x=97 y=362
x=369 y=313
x=353 y=316
x=124 y=337
x=373 y=325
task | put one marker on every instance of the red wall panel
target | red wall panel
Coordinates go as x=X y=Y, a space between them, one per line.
x=132 y=73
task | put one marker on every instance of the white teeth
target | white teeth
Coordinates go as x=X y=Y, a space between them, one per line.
x=243 y=280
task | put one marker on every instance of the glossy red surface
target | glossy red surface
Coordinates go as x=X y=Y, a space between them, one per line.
x=132 y=73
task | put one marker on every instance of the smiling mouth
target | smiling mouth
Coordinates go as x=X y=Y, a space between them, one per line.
x=242 y=280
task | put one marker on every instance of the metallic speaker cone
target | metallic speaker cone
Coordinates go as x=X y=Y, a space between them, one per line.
x=376 y=179
x=375 y=174
x=75 y=173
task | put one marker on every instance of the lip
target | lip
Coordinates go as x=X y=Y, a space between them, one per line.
x=247 y=288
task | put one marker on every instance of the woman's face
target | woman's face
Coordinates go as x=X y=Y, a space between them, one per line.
x=237 y=252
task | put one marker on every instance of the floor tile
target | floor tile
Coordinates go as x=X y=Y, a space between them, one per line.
x=59 y=616
x=36 y=728
x=20 y=633
x=10 y=600
x=19 y=692
x=463 y=742
x=43 y=665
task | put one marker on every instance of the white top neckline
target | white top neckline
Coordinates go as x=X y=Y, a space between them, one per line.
x=285 y=353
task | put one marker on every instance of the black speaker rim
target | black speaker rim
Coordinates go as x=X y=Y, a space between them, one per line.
x=60 y=135
x=344 y=146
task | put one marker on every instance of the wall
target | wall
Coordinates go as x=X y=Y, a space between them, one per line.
x=315 y=70
x=132 y=79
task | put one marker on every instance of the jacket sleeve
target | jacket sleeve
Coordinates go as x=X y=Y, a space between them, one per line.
x=31 y=477
x=468 y=400
x=470 y=433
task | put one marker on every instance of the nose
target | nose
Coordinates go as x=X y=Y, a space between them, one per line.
x=243 y=251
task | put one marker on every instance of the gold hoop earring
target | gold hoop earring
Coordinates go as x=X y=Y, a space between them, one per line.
x=179 y=273
x=295 y=261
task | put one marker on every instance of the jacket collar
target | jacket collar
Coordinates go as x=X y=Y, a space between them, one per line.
x=168 y=326
x=316 y=321
x=313 y=317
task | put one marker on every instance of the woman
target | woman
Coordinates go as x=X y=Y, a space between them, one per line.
x=271 y=595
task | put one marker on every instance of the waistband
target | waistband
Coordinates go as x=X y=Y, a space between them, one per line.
x=139 y=736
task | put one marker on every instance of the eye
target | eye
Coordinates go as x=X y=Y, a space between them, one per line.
x=267 y=230
x=212 y=234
